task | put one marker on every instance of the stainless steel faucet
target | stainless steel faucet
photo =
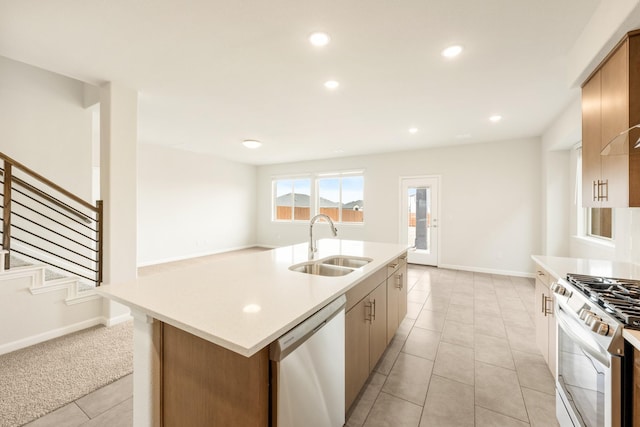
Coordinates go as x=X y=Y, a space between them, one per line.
x=313 y=248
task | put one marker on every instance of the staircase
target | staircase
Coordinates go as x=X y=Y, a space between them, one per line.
x=50 y=259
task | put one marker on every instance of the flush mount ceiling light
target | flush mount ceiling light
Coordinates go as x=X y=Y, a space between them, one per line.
x=495 y=118
x=251 y=308
x=452 y=51
x=331 y=84
x=251 y=143
x=413 y=130
x=319 y=39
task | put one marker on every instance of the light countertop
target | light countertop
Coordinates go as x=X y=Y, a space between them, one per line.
x=559 y=267
x=207 y=300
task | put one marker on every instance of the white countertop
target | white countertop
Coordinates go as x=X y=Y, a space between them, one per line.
x=207 y=300
x=559 y=267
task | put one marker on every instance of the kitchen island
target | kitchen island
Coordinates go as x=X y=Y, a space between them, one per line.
x=224 y=315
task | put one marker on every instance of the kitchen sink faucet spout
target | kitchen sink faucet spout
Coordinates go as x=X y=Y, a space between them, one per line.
x=312 y=243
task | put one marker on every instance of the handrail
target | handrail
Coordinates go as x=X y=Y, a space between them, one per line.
x=49 y=183
x=57 y=234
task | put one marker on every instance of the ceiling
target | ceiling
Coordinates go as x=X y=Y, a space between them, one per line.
x=211 y=73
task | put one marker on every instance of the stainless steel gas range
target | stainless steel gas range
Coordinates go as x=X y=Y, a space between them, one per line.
x=591 y=313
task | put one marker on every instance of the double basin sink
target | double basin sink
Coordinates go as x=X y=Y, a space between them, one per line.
x=331 y=266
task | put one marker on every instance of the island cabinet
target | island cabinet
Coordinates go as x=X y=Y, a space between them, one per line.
x=202 y=381
x=544 y=318
x=610 y=106
x=396 y=295
x=375 y=308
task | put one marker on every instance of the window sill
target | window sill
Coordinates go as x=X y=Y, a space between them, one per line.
x=595 y=242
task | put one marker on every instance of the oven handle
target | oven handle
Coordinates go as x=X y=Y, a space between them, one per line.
x=562 y=323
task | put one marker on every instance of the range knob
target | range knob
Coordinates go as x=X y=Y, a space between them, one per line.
x=584 y=313
x=559 y=289
x=591 y=320
x=603 y=328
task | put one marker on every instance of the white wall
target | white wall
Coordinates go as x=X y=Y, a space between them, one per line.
x=192 y=204
x=490 y=197
x=44 y=125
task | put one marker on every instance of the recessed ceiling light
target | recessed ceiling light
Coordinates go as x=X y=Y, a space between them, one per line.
x=452 y=51
x=495 y=118
x=331 y=84
x=319 y=39
x=251 y=143
x=413 y=130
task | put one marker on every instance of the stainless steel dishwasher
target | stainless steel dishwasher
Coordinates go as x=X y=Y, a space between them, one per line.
x=308 y=371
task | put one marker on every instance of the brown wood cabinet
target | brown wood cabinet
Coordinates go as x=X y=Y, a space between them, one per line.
x=545 y=321
x=636 y=388
x=611 y=105
x=396 y=296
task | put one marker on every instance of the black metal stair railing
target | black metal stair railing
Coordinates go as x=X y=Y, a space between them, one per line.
x=43 y=222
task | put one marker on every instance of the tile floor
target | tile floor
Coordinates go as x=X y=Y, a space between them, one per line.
x=464 y=356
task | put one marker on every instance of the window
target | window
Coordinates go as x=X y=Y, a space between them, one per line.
x=342 y=197
x=339 y=195
x=292 y=199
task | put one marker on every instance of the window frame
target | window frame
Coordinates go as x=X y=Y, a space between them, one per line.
x=314 y=198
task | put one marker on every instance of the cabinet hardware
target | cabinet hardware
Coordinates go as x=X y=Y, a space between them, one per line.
x=547 y=300
x=542 y=301
x=394 y=266
x=604 y=195
x=369 y=305
x=595 y=191
x=400 y=281
x=373 y=310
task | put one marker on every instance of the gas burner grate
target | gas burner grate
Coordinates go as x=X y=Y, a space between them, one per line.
x=620 y=297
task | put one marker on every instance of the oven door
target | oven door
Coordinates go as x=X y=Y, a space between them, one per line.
x=588 y=376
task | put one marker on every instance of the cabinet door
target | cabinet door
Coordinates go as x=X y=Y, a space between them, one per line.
x=591 y=139
x=542 y=322
x=402 y=299
x=551 y=319
x=615 y=119
x=378 y=327
x=356 y=350
x=393 y=301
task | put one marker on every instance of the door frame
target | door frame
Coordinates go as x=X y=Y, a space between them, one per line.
x=401 y=230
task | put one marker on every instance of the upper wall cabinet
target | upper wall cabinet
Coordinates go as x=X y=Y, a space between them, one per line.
x=610 y=106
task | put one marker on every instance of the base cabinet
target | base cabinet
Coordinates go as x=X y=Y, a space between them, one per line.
x=545 y=321
x=635 y=404
x=375 y=308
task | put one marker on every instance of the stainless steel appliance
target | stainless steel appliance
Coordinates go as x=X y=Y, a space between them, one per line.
x=591 y=313
x=308 y=371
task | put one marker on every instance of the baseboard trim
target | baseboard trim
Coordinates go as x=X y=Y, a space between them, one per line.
x=116 y=320
x=488 y=270
x=46 y=336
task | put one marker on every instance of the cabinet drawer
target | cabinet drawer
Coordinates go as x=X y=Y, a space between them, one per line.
x=543 y=275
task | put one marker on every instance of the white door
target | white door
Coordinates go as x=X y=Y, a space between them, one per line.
x=419 y=223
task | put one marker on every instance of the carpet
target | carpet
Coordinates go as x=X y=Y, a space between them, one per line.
x=39 y=379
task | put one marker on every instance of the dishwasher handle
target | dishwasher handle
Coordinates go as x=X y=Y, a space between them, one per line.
x=287 y=343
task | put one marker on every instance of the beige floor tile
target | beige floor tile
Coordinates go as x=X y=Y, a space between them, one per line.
x=422 y=343
x=511 y=303
x=416 y=295
x=498 y=389
x=458 y=333
x=522 y=339
x=94 y=404
x=460 y=297
x=460 y=313
x=118 y=416
x=487 y=418
x=413 y=309
x=533 y=372
x=363 y=405
x=67 y=416
x=390 y=355
x=491 y=325
x=437 y=302
x=409 y=378
x=517 y=318
x=487 y=308
x=449 y=404
x=455 y=362
x=389 y=411
x=494 y=351
x=432 y=320
x=404 y=328
x=541 y=408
